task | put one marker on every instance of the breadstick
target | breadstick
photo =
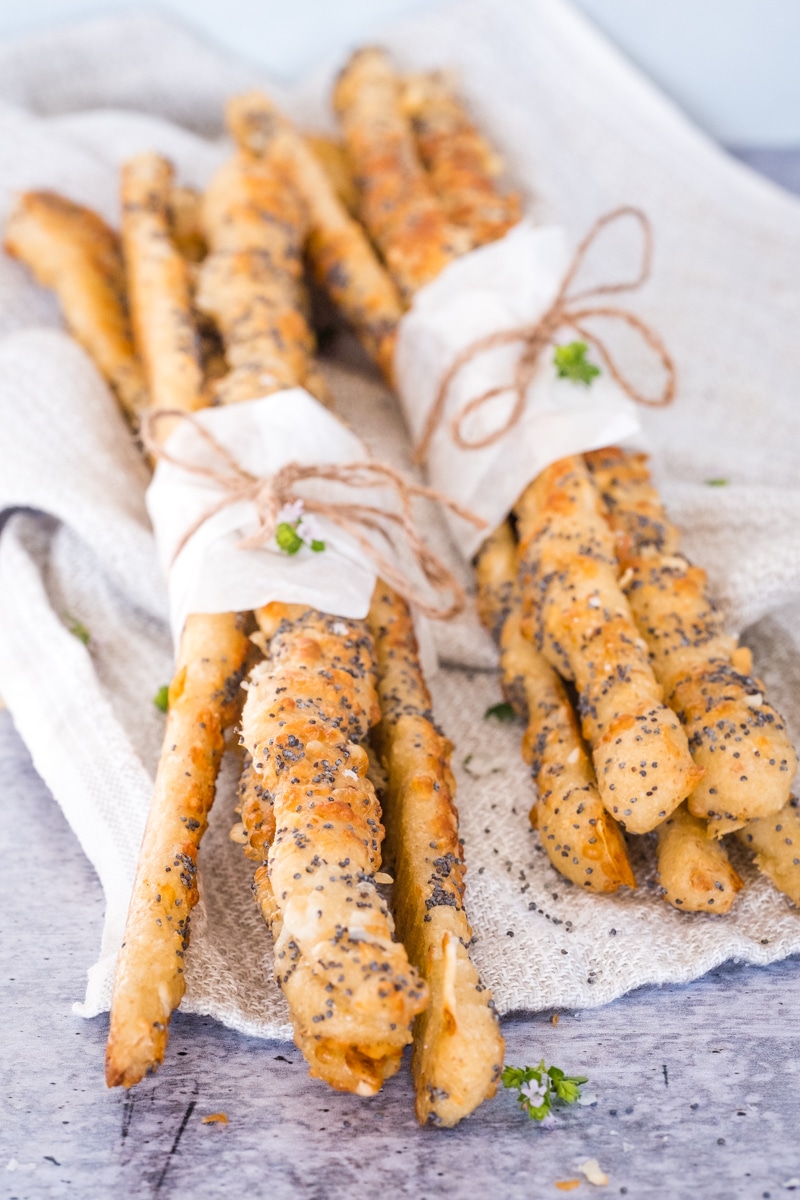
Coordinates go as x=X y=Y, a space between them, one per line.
x=579 y=618
x=251 y=281
x=693 y=870
x=71 y=250
x=343 y=260
x=461 y=165
x=583 y=842
x=398 y=206
x=738 y=737
x=776 y=842
x=352 y=992
x=458 y=1049
x=149 y=982
x=185 y=222
x=159 y=288
x=332 y=156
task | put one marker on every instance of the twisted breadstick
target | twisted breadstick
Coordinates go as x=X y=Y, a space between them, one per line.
x=693 y=870
x=583 y=842
x=738 y=737
x=404 y=218
x=71 y=250
x=159 y=288
x=575 y=611
x=341 y=255
x=458 y=1050
x=204 y=696
x=462 y=167
x=350 y=987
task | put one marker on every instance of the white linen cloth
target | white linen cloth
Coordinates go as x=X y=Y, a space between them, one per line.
x=581 y=133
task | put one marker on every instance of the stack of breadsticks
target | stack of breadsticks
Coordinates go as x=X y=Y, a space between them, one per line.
x=641 y=713
x=200 y=302
x=584 y=588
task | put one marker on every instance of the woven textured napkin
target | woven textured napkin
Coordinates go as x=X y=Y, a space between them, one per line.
x=582 y=132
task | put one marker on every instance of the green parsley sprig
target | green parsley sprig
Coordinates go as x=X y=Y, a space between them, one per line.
x=539 y=1088
x=571 y=363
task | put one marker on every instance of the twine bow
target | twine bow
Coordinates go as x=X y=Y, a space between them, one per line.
x=269 y=493
x=564 y=312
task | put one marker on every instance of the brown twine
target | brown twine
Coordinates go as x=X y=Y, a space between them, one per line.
x=269 y=493
x=541 y=333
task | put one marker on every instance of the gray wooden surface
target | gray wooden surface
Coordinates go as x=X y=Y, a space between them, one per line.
x=698 y=1088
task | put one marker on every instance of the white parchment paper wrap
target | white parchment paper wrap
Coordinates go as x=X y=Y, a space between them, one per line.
x=498 y=287
x=211 y=573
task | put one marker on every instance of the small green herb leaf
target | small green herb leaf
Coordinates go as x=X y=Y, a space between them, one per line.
x=161 y=698
x=571 y=363
x=78 y=629
x=500 y=712
x=288 y=538
x=539 y=1088
x=717 y=482
x=317 y=546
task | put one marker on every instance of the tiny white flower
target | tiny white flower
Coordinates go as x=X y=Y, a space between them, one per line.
x=548 y=1122
x=309 y=530
x=290 y=513
x=534 y=1092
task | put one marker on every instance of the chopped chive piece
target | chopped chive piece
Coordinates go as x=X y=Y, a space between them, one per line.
x=161 y=698
x=717 y=482
x=288 y=538
x=571 y=363
x=78 y=629
x=500 y=712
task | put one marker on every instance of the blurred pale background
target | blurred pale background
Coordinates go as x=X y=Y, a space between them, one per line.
x=733 y=65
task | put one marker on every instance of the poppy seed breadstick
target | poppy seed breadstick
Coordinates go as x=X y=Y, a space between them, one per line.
x=775 y=841
x=204 y=700
x=251 y=281
x=458 y=1049
x=693 y=869
x=405 y=219
x=159 y=287
x=577 y=615
x=185 y=220
x=734 y=733
x=461 y=165
x=351 y=990
x=333 y=158
x=71 y=250
x=581 y=839
x=342 y=258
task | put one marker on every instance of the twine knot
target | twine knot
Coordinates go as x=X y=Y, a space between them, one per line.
x=566 y=311
x=270 y=494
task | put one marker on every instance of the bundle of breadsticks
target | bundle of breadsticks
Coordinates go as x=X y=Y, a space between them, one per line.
x=641 y=713
x=201 y=301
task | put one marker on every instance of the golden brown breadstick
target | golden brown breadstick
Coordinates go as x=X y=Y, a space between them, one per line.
x=251 y=281
x=579 y=618
x=159 y=288
x=204 y=699
x=462 y=167
x=458 y=1050
x=776 y=843
x=185 y=222
x=738 y=737
x=333 y=159
x=580 y=838
x=71 y=250
x=343 y=259
x=352 y=992
x=404 y=217
x=693 y=869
